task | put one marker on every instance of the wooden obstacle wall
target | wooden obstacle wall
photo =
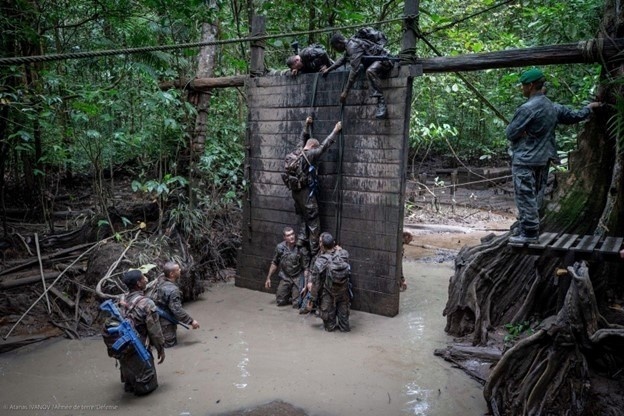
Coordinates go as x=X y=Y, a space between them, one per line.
x=364 y=194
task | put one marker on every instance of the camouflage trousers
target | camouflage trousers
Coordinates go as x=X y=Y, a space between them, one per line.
x=375 y=73
x=169 y=331
x=529 y=186
x=138 y=377
x=309 y=223
x=288 y=291
x=334 y=309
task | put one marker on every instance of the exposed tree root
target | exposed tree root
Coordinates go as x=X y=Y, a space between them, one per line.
x=550 y=372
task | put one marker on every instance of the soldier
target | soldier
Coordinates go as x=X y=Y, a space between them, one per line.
x=300 y=178
x=531 y=134
x=138 y=377
x=310 y=59
x=330 y=274
x=355 y=49
x=292 y=262
x=168 y=298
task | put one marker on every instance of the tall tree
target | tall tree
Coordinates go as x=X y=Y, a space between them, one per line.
x=575 y=348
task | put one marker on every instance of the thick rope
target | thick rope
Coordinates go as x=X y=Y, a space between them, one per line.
x=110 y=52
x=339 y=172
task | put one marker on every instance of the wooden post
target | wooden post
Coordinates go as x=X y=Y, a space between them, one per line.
x=257 y=46
x=453 y=189
x=410 y=29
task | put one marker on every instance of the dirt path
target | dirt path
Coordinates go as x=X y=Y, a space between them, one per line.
x=249 y=352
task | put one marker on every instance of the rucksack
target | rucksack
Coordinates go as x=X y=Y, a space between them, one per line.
x=373 y=35
x=295 y=176
x=114 y=321
x=338 y=270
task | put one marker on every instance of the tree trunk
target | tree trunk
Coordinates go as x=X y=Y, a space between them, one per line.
x=569 y=365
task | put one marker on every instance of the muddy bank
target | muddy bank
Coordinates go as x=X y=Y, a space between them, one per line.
x=249 y=352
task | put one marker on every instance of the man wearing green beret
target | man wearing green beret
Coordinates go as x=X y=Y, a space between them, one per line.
x=531 y=134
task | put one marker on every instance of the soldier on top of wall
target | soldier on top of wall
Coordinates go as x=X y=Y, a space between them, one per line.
x=308 y=60
x=360 y=51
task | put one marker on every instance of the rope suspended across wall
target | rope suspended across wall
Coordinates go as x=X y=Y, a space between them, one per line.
x=111 y=52
x=410 y=21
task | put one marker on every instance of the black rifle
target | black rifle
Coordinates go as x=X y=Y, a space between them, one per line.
x=163 y=313
x=369 y=59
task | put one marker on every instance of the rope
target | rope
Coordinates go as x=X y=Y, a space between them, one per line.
x=473 y=182
x=469 y=85
x=409 y=20
x=470 y=16
x=110 y=52
x=339 y=173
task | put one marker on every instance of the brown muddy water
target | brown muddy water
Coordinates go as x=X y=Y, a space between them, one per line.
x=248 y=352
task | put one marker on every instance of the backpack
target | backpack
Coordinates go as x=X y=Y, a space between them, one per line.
x=295 y=176
x=372 y=35
x=112 y=322
x=338 y=270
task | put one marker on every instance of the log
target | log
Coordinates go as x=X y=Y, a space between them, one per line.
x=21 y=340
x=27 y=280
x=204 y=84
x=30 y=262
x=570 y=53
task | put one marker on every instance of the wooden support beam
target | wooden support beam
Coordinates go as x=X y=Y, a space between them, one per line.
x=571 y=53
x=205 y=84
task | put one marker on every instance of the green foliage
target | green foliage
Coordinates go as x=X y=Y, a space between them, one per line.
x=515 y=330
x=85 y=115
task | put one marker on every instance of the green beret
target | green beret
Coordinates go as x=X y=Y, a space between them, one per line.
x=531 y=75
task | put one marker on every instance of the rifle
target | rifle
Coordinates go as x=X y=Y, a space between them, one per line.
x=127 y=333
x=164 y=314
x=369 y=59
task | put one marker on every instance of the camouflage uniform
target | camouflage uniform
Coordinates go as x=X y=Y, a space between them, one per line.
x=168 y=297
x=306 y=203
x=135 y=374
x=291 y=264
x=335 y=301
x=313 y=58
x=355 y=49
x=531 y=134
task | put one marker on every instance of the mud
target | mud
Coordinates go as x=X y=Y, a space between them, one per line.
x=251 y=357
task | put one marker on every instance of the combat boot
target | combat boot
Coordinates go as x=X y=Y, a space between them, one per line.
x=525 y=236
x=382 y=109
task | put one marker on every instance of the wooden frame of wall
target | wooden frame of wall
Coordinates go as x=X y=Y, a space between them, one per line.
x=361 y=199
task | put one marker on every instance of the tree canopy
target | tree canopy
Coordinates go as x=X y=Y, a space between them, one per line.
x=76 y=116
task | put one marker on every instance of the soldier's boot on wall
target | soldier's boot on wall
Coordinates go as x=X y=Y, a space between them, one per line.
x=382 y=109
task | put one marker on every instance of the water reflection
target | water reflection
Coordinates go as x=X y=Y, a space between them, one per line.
x=243 y=363
x=418 y=399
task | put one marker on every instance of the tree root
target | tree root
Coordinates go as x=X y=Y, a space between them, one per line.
x=549 y=371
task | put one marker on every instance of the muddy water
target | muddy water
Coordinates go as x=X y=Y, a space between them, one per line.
x=249 y=352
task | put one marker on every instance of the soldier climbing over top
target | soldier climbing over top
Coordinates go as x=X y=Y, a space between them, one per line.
x=300 y=177
x=310 y=59
x=360 y=51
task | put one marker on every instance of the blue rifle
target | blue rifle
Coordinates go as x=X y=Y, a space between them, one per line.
x=163 y=313
x=127 y=333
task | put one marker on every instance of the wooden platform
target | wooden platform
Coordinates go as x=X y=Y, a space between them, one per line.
x=575 y=247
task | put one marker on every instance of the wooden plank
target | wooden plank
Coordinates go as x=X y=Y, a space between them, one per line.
x=587 y=244
x=611 y=245
x=350 y=127
x=351 y=141
x=564 y=242
x=544 y=240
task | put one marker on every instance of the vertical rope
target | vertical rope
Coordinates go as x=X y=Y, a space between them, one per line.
x=339 y=173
